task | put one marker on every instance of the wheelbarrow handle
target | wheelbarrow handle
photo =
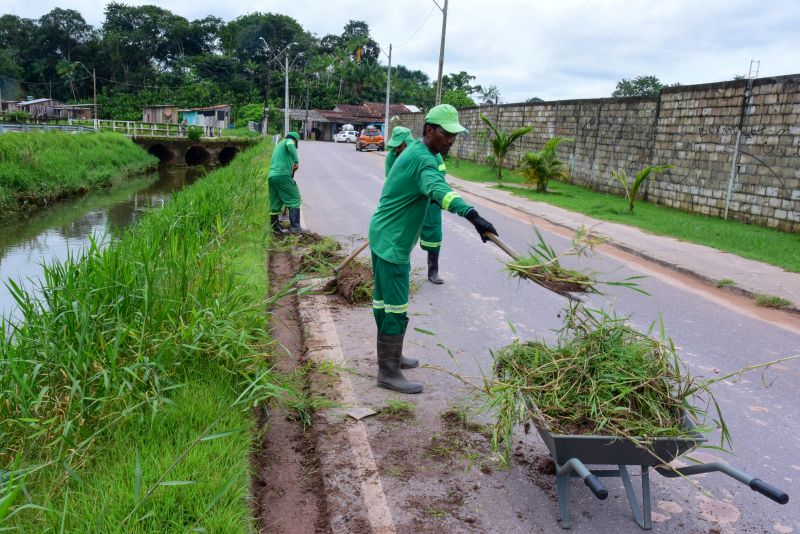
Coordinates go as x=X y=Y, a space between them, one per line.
x=755 y=484
x=769 y=491
x=349 y=258
x=589 y=478
x=596 y=486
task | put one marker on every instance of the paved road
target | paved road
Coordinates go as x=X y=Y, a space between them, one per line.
x=472 y=314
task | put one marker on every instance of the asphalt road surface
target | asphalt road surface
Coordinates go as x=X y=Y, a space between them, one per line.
x=477 y=307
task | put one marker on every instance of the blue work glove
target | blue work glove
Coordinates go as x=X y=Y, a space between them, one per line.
x=481 y=225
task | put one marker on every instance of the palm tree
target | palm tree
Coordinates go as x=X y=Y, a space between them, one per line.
x=632 y=190
x=491 y=95
x=501 y=143
x=540 y=166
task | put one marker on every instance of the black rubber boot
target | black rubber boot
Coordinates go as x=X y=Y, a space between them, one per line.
x=433 y=268
x=390 y=350
x=294 y=221
x=275 y=223
x=407 y=363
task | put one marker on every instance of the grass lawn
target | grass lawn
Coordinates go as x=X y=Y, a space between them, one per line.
x=40 y=166
x=746 y=240
x=125 y=400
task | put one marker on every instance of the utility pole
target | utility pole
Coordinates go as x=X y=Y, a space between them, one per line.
x=265 y=121
x=305 y=124
x=286 y=97
x=94 y=90
x=386 y=130
x=441 y=53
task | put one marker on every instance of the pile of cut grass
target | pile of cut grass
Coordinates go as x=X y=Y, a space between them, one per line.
x=602 y=377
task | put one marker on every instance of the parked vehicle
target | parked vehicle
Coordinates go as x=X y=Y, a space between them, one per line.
x=370 y=138
x=346 y=136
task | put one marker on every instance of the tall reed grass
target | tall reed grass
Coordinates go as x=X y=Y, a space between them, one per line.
x=110 y=336
x=36 y=167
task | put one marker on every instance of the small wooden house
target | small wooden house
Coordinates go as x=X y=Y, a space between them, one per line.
x=213 y=116
x=161 y=113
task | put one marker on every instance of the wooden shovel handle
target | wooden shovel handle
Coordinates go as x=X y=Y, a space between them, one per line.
x=349 y=258
x=503 y=246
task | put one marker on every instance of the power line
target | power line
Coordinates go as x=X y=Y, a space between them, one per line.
x=418 y=29
x=42 y=83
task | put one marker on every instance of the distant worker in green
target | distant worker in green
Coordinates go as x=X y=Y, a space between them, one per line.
x=414 y=182
x=283 y=190
x=431 y=237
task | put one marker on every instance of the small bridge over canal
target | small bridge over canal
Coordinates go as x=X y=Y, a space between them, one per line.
x=215 y=151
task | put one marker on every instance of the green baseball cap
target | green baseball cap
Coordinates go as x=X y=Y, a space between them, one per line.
x=400 y=135
x=293 y=135
x=445 y=116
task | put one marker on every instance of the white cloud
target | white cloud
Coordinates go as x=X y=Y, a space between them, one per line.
x=554 y=50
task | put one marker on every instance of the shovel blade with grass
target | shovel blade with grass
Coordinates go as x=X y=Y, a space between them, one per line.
x=330 y=282
x=516 y=256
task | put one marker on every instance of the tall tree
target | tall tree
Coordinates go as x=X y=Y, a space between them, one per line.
x=356 y=36
x=639 y=86
x=491 y=95
x=460 y=82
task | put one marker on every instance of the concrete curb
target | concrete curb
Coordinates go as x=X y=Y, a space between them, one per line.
x=794 y=309
x=353 y=491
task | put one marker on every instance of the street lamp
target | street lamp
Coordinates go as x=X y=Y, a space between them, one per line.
x=94 y=90
x=286 y=66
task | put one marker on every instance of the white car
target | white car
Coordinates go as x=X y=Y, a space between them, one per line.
x=346 y=136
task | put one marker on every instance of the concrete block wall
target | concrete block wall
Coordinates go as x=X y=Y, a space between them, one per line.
x=692 y=127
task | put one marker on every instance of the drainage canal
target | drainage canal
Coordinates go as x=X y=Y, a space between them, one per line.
x=163 y=154
x=197 y=155
x=227 y=154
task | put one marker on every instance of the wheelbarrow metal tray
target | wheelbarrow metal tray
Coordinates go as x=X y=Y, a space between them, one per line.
x=619 y=450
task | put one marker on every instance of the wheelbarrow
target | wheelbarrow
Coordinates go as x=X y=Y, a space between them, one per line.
x=572 y=454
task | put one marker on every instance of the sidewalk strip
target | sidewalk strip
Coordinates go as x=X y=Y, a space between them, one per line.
x=322 y=344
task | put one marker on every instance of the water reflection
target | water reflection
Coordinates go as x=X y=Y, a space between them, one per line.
x=66 y=227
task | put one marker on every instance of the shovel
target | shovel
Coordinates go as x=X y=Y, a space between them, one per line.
x=328 y=283
x=516 y=256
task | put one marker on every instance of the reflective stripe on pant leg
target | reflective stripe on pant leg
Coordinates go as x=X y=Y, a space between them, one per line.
x=391 y=292
x=378 y=307
x=431 y=236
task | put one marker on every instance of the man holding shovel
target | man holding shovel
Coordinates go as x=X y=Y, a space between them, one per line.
x=430 y=240
x=283 y=190
x=413 y=182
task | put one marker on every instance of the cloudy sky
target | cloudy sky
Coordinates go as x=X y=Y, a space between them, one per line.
x=551 y=49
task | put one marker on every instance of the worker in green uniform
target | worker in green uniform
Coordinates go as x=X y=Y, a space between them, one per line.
x=401 y=136
x=283 y=189
x=431 y=237
x=413 y=183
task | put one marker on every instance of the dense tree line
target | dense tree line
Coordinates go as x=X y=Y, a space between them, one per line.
x=148 y=55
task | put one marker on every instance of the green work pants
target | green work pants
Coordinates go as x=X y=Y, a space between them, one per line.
x=390 y=299
x=283 y=191
x=431 y=237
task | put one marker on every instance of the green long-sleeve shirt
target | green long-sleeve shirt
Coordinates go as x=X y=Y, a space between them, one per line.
x=414 y=180
x=283 y=158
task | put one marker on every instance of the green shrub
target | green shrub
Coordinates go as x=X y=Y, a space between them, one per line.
x=194 y=133
x=247 y=113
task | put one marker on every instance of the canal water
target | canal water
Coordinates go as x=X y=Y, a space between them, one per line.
x=65 y=227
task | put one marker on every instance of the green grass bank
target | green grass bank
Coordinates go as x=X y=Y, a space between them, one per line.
x=38 y=167
x=746 y=240
x=126 y=391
